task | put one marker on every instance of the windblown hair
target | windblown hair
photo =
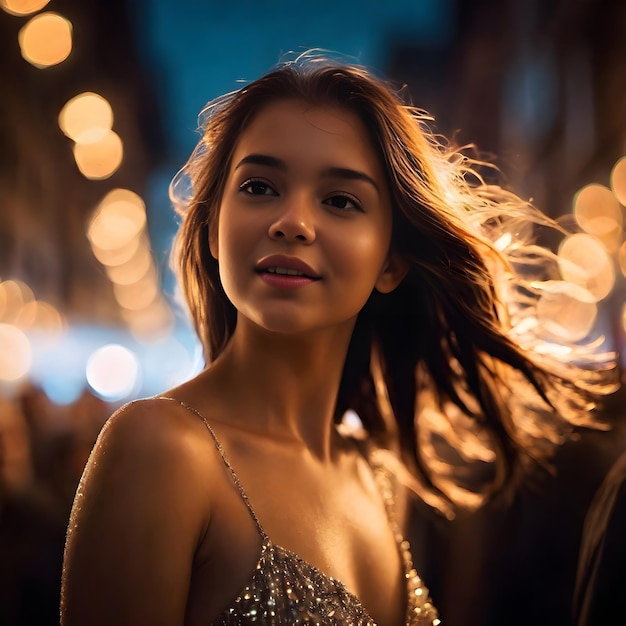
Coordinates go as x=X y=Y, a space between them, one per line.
x=453 y=367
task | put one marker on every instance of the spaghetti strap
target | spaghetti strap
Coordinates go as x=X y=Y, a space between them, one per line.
x=218 y=445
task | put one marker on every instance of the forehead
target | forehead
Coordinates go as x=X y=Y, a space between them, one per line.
x=293 y=129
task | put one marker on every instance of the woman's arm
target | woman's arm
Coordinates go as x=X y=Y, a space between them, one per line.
x=139 y=514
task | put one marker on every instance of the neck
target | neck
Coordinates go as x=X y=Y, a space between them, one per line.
x=284 y=386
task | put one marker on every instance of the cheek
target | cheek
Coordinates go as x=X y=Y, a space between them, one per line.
x=365 y=253
x=233 y=243
x=233 y=236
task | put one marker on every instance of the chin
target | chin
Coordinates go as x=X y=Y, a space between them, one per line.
x=284 y=326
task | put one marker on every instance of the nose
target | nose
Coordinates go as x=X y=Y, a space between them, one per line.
x=295 y=221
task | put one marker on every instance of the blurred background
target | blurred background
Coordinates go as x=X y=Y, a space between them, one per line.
x=99 y=104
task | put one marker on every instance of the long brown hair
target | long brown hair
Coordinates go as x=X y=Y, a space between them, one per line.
x=440 y=365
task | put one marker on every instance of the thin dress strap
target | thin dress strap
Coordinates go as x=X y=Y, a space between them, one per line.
x=218 y=445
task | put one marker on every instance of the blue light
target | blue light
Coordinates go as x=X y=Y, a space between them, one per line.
x=61 y=389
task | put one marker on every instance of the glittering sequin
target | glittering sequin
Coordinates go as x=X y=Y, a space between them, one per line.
x=285 y=589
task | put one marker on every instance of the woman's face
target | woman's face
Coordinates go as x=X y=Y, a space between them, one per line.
x=304 y=225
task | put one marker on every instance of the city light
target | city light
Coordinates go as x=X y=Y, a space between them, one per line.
x=86 y=118
x=100 y=158
x=46 y=40
x=112 y=372
x=23 y=7
x=15 y=353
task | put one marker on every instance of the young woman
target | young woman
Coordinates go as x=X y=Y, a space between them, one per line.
x=334 y=256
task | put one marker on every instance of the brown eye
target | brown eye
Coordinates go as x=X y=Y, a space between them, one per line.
x=343 y=202
x=257 y=188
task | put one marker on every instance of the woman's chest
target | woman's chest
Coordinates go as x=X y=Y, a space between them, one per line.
x=343 y=531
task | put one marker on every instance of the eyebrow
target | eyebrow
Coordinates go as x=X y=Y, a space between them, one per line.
x=330 y=172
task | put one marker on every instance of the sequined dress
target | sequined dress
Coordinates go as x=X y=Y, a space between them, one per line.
x=284 y=589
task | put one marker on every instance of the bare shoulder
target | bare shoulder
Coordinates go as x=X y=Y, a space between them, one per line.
x=145 y=444
x=142 y=508
x=154 y=425
x=151 y=450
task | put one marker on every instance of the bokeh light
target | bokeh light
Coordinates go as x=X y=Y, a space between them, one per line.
x=138 y=295
x=621 y=257
x=19 y=308
x=40 y=316
x=119 y=255
x=86 y=118
x=119 y=240
x=99 y=159
x=23 y=7
x=618 y=180
x=113 y=372
x=598 y=213
x=118 y=220
x=153 y=323
x=14 y=295
x=565 y=317
x=584 y=261
x=15 y=353
x=136 y=268
x=46 y=39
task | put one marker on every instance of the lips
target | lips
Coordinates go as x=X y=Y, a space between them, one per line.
x=281 y=265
